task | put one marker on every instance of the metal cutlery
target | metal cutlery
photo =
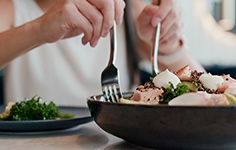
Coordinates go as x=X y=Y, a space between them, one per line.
x=110 y=75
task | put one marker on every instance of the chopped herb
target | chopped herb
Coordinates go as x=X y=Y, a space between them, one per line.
x=171 y=92
x=151 y=79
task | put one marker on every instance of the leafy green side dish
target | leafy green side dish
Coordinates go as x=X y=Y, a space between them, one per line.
x=34 y=109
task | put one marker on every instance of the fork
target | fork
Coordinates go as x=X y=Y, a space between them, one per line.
x=110 y=75
x=154 y=54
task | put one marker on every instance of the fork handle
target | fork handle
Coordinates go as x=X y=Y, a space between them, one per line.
x=154 y=55
x=113 y=45
x=154 y=58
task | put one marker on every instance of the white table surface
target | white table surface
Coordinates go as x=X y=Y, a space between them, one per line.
x=84 y=137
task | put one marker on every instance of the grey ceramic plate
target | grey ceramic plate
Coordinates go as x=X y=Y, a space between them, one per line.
x=167 y=127
x=82 y=116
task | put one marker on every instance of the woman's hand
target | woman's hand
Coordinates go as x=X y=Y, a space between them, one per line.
x=67 y=18
x=171 y=25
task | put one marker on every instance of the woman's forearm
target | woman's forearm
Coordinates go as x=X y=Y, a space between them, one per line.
x=17 y=41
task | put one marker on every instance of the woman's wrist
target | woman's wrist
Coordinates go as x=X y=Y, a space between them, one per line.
x=26 y=39
x=168 y=49
x=173 y=57
x=178 y=59
x=40 y=35
x=172 y=53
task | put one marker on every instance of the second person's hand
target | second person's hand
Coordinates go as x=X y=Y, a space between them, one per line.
x=171 y=28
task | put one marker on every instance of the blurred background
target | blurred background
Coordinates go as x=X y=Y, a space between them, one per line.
x=210 y=30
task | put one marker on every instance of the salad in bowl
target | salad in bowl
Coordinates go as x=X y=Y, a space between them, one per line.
x=186 y=109
x=185 y=87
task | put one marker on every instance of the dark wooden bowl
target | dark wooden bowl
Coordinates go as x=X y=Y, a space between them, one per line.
x=167 y=127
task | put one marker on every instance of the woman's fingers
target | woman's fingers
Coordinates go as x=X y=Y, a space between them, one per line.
x=145 y=29
x=172 y=39
x=163 y=11
x=95 y=18
x=64 y=20
x=119 y=11
x=111 y=10
x=171 y=27
x=101 y=14
x=173 y=34
x=106 y=7
x=171 y=24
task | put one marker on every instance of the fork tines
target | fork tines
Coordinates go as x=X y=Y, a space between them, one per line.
x=110 y=84
x=112 y=93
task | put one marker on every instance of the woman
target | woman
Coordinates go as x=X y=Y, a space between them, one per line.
x=44 y=50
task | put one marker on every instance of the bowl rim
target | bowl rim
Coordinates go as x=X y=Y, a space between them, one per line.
x=93 y=99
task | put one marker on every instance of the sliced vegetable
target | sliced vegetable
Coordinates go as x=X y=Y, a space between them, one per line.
x=189 y=99
x=231 y=98
x=127 y=101
x=192 y=86
x=6 y=114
